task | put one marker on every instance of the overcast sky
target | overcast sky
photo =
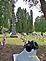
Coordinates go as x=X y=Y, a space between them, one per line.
x=22 y=4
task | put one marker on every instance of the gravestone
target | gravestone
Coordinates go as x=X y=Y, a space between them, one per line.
x=3 y=43
x=27 y=54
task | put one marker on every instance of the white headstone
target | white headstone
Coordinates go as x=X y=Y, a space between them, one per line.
x=27 y=56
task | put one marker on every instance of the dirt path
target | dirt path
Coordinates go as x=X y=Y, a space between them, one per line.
x=7 y=51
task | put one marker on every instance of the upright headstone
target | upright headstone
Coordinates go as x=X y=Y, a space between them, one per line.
x=29 y=53
x=3 y=43
x=27 y=56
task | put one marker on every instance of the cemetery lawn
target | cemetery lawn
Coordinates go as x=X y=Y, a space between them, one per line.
x=18 y=41
x=15 y=45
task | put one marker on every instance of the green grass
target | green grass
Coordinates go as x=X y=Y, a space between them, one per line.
x=40 y=42
x=11 y=41
x=18 y=41
x=14 y=41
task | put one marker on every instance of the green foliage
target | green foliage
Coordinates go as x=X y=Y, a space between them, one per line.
x=40 y=24
x=5 y=13
x=24 y=21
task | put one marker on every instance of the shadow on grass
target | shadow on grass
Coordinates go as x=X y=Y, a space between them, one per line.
x=7 y=51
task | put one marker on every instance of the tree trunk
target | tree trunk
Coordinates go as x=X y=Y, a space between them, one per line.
x=43 y=7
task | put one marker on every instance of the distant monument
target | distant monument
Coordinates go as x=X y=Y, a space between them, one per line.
x=13 y=21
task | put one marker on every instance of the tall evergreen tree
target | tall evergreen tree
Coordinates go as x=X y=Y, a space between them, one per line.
x=25 y=21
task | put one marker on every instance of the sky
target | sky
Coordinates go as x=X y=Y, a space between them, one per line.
x=22 y=4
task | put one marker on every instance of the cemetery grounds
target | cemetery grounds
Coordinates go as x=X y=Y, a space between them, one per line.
x=15 y=45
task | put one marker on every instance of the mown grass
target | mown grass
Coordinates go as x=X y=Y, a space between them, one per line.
x=18 y=41
x=40 y=42
x=11 y=41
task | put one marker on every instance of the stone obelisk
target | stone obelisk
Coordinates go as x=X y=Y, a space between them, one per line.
x=13 y=21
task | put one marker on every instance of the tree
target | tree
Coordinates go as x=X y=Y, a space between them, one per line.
x=19 y=19
x=40 y=25
x=43 y=7
x=25 y=21
x=5 y=13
